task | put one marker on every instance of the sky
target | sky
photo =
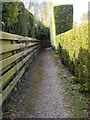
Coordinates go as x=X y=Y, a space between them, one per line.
x=79 y=7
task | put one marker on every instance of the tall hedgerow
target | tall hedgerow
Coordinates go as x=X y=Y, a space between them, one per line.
x=61 y=21
x=63 y=15
x=74 y=51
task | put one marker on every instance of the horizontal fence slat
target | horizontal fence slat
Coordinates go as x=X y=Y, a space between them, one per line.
x=30 y=44
x=17 y=52
x=10 y=47
x=6 y=78
x=7 y=91
x=13 y=58
x=9 y=36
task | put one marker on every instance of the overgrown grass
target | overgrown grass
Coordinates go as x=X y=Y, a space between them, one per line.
x=73 y=91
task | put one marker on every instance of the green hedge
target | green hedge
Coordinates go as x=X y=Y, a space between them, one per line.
x=63 y=15
x=41 y=31
x=61 y=21
x=18 y=20
x=52 y=29
x=73 y=48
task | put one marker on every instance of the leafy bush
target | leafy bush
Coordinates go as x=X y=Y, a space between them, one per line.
x=42 y=32
x=80 y=88
x=73 y=79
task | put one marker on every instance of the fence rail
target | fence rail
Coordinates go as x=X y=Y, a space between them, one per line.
x=16 y=52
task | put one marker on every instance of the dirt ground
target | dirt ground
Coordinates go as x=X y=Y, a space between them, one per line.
x=40 y=93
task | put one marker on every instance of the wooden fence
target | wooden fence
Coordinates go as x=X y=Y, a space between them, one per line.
x=15 y=53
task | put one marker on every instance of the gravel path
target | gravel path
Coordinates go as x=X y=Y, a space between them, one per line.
x=42 y=95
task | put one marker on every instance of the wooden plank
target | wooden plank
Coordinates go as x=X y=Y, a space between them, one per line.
x=8 y=58
x=6 y=42
x=35 y=40
x=35 y=47
x=37 y=52
x=38 y=48
x=4 y=69
x=7 y=91
x=0 y=47
x=7 y=48
x=13 y=58
x=30 y=44
x=36 y=44
x=9 y=36
x=6 y=78
x=7 y=55
x=0 y=101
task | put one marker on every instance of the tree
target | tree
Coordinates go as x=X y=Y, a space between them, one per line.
x=34 y=7
x=46 y=12
x=42 y=32
x=41 y=10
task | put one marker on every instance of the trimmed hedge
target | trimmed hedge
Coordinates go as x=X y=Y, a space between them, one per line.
x=74 y=52
x=61 y=21
x=63 y=15
x=52 y=29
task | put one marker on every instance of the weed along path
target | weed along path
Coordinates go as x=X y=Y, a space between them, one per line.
x=40 y=93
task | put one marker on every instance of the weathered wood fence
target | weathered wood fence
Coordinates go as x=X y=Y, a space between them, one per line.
x=15 y=54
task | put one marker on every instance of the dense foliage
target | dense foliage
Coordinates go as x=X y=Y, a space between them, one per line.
x=17 y=19
x=73 y=50
x=9 y=15
x=63 y=16
x=61 y=21
x=42 y=32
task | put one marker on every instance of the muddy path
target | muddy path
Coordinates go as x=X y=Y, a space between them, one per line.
x=40 y=93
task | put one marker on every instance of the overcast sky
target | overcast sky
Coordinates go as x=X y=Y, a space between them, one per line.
x=80 y=6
